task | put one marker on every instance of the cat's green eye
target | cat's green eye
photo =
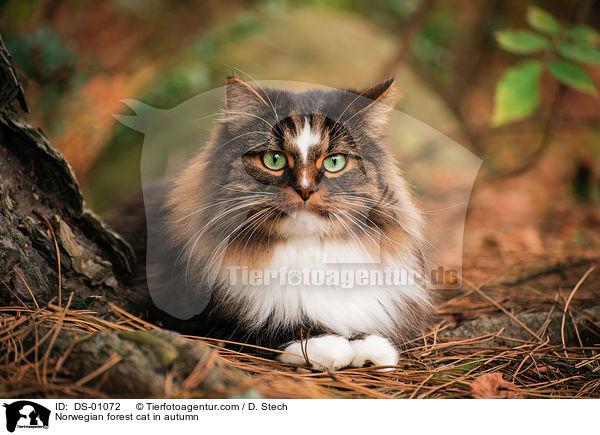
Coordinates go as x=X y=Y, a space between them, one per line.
x=334 y=162
x=274 y=160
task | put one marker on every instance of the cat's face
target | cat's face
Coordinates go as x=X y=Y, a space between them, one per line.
x=284 y=165
x=312 y=167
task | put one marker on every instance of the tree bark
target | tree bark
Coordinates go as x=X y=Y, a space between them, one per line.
x=43 y=220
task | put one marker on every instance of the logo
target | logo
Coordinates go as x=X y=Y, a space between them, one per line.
x=25 y=414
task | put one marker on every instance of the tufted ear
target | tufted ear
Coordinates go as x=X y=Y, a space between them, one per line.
x=378 y=101
x=378 y=92
x=241 y=97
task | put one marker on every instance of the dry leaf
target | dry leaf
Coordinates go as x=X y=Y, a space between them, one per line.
x=493 y=386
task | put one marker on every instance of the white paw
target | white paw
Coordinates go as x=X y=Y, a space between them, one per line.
x=328 y=352
x=380 y=351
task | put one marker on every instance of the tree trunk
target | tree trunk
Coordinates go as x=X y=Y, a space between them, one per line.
x=43 y=220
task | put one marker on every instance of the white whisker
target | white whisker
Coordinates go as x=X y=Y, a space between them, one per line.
x=213 y=204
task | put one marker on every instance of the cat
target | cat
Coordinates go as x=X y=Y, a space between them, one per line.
x=292 y=192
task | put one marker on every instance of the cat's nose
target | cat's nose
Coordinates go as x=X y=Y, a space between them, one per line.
x=305 y=192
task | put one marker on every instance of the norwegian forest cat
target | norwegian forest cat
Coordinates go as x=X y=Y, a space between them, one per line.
x=298 y=184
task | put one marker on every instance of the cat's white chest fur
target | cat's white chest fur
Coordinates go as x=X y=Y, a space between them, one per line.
x=318 y=280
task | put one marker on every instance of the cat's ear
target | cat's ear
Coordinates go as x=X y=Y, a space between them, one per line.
x=378 y=100
x=241 y=97
x=377 y=92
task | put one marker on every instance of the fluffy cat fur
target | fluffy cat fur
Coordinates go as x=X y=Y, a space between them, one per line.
x=227 y=209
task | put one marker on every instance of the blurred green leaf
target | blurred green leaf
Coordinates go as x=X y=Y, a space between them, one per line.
x=207 y=46
x=584 y=35
x=43 y=55
x=517 y=92
x=182 y=82
x=245 y=24
x=432 y=47
x=572 y=76
x=521 y=42
x=579 y=53
x=543 y=21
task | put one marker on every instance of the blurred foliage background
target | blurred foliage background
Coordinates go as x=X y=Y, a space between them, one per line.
x=79 y=58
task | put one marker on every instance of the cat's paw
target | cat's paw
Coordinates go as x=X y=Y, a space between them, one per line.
x=378 y=350
x=328 y=352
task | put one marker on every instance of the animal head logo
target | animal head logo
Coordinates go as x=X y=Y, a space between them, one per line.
x=26 y=414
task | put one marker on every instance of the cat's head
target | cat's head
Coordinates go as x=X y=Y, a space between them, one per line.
x=281 y=165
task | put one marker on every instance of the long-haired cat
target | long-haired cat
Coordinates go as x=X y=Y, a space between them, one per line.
x=294 y=192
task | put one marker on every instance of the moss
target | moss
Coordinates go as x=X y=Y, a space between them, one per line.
x=159 y=352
